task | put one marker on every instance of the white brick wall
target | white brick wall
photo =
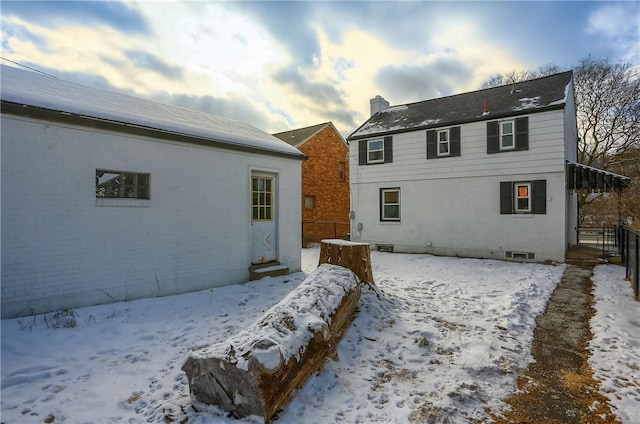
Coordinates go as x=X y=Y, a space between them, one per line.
x=61 y=247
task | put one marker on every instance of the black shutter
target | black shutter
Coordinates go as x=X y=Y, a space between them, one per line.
x=388 y=149
x=454 y=141
x=506 y=197
x=432 y=151
x=362 y=152
x=381 y=201
x=539 y=197
x=522 y=133
x=493 y=144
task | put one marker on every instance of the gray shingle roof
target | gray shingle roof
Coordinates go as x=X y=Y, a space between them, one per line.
x=299 y=136
x=508 y=100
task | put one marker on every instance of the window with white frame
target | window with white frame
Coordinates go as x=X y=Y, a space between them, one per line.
x=522 y=197
x=122 y=184
x=390 y=204
x=507 y=135
x=443 y=142
x=375 y=151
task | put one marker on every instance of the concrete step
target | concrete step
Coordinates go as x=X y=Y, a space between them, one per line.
x=271 y=269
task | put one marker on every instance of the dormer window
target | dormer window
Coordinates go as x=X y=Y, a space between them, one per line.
x=443 y=142
x=507 y=136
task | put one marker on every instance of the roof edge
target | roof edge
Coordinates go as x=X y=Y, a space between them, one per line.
x=351 y=137
x=53 y=115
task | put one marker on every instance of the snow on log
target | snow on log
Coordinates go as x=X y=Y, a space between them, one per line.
x=255 y=371
x=355 y=256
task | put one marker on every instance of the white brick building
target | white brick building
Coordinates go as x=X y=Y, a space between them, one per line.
x=107 y=197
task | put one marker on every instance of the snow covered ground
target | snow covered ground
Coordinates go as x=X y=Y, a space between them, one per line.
x=441 y=340
x=615 y=346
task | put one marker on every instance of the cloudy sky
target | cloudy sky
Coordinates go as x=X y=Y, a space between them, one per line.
x=285 y=65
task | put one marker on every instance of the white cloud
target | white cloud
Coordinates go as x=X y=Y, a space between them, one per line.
x=620 y=24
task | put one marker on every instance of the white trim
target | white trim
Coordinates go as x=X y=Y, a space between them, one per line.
x=383 y=204
x=501 y=134
x=448 y=142
x=516 y=196
x=381 y=140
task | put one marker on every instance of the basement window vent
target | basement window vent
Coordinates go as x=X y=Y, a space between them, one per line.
x=385 y=248
x=520 y=255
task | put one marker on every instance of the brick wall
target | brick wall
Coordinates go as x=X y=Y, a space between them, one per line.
x=329 y=218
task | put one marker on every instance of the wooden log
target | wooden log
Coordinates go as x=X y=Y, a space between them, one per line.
x=348 y=254
x=255 y=371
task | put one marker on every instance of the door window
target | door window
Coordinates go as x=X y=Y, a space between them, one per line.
x=262 y=199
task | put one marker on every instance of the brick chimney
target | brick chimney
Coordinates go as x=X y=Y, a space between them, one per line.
x=378 y=103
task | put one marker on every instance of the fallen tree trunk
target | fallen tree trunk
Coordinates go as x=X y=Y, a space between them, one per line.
x=355 y=256
x=255 y=371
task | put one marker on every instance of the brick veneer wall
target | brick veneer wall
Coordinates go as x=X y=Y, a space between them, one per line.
x=320 y=178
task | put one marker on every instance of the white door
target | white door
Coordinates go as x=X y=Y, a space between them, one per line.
x=264 y=243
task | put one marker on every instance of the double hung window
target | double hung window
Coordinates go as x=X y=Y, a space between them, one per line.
x=389 y=204
x=443 y=142
x=523 y=197
x=375 y=151
x=507 y=135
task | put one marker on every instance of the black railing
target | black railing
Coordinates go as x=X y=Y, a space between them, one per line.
x=601 y=238
x=628 y=244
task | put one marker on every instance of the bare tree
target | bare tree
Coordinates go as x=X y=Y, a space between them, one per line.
x=608 y=111
x=510 y=77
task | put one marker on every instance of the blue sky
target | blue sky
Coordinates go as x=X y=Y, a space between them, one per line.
x=284 y=65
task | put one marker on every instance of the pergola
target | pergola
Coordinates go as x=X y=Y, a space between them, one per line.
x=583 y=177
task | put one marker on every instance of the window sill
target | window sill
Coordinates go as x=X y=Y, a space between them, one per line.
x=124 y=203
x=522 y=215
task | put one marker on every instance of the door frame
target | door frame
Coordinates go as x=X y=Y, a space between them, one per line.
x=274 y=174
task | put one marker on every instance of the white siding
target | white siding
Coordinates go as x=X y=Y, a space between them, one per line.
x=62 y=247
x=451 y=206
x=461 y=217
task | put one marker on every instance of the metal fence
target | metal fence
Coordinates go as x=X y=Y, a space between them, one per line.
x=601 y=238
x=628 y=244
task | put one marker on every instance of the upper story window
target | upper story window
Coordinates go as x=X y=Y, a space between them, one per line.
x=375 y=151
x=341 y=171
x=507 y=135
x=389 y=204
x=443 y=142
x=379 y=150
x=122 y=184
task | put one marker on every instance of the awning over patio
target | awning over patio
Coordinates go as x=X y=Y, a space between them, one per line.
x=583 y=177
